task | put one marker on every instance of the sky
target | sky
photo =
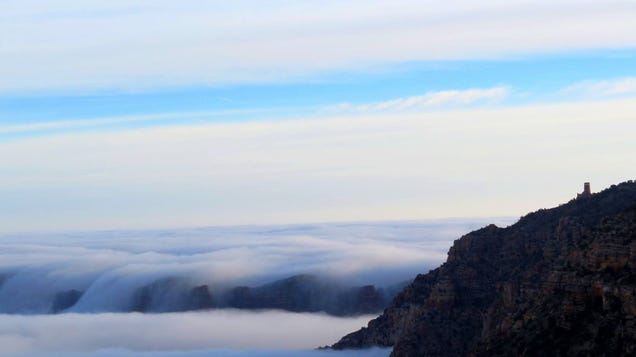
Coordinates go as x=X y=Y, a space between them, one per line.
x=135 y=114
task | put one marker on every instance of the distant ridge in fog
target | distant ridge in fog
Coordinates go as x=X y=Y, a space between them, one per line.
x=338 y=268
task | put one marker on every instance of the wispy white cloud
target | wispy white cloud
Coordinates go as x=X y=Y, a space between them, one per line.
x=173 y=117
x=389 y=165
x=603 y=88
x=78 y=123
x=449 y=99
x=432 y=100
x=137 y=44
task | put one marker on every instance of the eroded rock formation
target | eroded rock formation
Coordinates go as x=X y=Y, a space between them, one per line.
x=559 y=282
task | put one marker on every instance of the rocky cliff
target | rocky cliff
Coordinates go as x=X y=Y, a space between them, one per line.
x=559 y=282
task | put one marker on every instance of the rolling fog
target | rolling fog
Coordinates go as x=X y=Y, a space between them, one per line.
x=109 y=267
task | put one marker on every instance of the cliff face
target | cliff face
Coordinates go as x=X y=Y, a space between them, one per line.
x=558 y=282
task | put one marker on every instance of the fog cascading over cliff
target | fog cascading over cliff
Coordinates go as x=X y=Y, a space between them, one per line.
x=340 y=269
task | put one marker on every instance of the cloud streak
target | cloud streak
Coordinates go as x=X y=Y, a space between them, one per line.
x=372 y=166
x=138 y=45
x=603 y=88
x=438 y=100
x=432 y=100
x=174 y=118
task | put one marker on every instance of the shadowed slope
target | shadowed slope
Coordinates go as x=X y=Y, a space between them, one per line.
x=558 y=282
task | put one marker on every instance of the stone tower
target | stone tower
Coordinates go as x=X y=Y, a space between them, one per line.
x=587 y=192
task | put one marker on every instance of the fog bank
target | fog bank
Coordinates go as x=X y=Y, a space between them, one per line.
x=224 y=329
x=108 y=271
x=374 y=352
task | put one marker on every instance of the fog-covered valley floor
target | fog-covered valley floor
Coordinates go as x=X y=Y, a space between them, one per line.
x=83 y=293
x=230 y=330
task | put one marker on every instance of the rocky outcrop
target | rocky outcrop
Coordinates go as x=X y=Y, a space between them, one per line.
x=170 y=295
x=299 y=293
x=200 y=298
x=558 y=282
x=367 y=299
x=308 y=293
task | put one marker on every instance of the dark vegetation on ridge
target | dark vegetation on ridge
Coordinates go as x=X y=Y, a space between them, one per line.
x=560 y=282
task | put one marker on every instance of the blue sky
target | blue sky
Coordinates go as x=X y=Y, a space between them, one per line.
x=129 y=114
x=532 y=79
